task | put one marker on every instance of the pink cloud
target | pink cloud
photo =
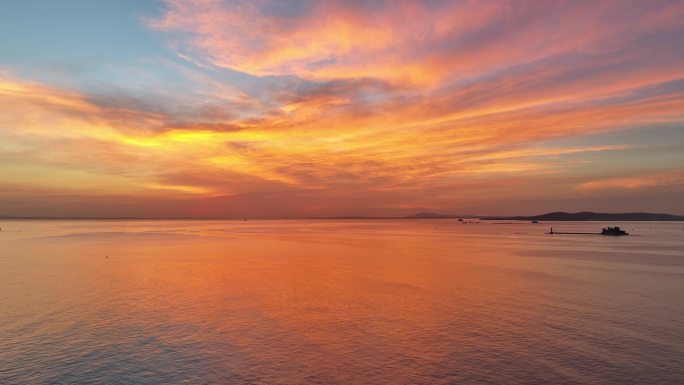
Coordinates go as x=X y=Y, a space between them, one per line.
x=400 y=41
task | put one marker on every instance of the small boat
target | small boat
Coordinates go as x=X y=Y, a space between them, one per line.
x=535 y=221
x=613 y=231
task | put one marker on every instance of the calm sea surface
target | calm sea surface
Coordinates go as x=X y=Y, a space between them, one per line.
x=339 y=302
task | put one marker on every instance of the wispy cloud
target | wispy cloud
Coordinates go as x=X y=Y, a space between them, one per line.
x=332 y=107
x=669 y=179
x=404 y=40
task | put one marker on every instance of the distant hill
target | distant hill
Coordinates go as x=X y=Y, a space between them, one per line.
x=431 y=215
x=555 y=216
x=591 y=216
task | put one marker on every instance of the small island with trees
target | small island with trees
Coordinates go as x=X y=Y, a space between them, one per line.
x=613 y=231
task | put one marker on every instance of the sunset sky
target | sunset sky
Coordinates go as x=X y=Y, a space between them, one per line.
x=270 y=109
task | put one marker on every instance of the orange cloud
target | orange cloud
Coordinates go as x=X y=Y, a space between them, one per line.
x=381 y=106
x=673 y=178
x=60 y=139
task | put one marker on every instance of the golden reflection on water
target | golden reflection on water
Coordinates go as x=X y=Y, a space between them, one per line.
x=333 y=302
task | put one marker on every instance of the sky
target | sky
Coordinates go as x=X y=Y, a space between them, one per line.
x=284 y=109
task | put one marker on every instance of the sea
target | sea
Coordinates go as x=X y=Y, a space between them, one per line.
x=429 y=301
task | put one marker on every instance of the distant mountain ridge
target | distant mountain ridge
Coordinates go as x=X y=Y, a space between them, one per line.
x=554 y=216
x=592 y=216
x=431 y=215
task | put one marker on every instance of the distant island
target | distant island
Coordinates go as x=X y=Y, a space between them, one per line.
x=591 y=216
x=436 y=215
x=554 y=216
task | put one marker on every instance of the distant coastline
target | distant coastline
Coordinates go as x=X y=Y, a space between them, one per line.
x=592 y=216
x=553 y=216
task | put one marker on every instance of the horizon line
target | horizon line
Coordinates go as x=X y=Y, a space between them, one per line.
x=424 y=215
